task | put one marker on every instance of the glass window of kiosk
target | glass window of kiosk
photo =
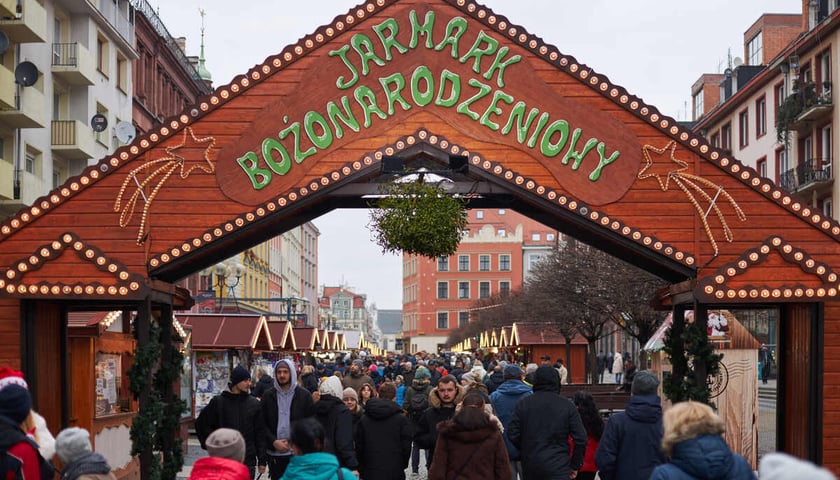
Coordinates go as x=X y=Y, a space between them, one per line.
x=112 y=395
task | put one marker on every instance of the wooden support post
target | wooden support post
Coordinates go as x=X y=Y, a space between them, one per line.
x=144 y=326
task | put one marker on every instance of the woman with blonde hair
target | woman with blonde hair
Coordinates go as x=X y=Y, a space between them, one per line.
x=694 y=443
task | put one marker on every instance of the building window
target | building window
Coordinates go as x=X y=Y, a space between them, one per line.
x=483 y=289
x=122 y=73
x=743 y=129
x=535 y=237
x=484 y=263
x=726 y=137
x=549 y=237
x=463 y=290
x=755 y=50
x=29 y=161
x=504 y=263
x=698 y=104
x=533 y=260
x=443 y=264
x=102 y=137
x=825 y=150
x=716 y=140
x=443 y=320
x=501 y=232
x=479 y=214
x=443 y=290
x=501 y=211
x=463 y=263
x=826 y=207
x=760 y=117
x=102 y=54
x=761 y=167
x=463 y=319
x=778 y=97
x=504 y=288
x=781 y=167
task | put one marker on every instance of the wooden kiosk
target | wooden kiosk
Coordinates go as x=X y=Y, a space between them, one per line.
x=449 y=84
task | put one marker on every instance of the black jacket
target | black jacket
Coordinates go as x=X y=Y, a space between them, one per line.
x=630 y=447
x=265 y=384
x=541 y=426
x=426 y=432
x=493 y=381
x=337 y=420
x=240 y=412
x=309 y=382
x=383 y=441
x=302 y=407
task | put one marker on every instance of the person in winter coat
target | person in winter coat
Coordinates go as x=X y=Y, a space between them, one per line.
x=227 y=452
x=264 y=384
x=383 y=439
x=541 y=426
x=80 y=462
x=629 y=374
x=694 y=443
x=366 y=393
x=458 y=370
x=351 y=400
x=356 y=377
x=23 y=457
x=629 y=448
x=781 y=466
x=399 y=383
x=308 y=379
x=494 y=379
x=594 y=425
x=470 y=445
x=419 y=391
x=617 y=367
x=310 y=461
x=504 y=401
x=235 y=408
x=284 y=404
x=375 y=376
x=442 y=402
x=333 y=414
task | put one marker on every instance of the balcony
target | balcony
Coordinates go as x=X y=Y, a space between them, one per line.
x=73 y=140
x=72 y=63
x=7 y=8
x=29 y=26
x=814 y=107
x=7 y=88
x=29 y=110
x=811 y=175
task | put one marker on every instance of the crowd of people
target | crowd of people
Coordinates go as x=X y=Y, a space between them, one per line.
x=370 y=418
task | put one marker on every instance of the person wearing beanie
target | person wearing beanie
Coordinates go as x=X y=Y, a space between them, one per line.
x=374 y=375
x=693 y=442
x=356 y=376
x=415 y=402
x=383 y=438
x=236 y=409
x=504 y=401
x=15 y=406
x=72 y=445
x=351 y=400
x=335 y=417
x=227 y=452
x=630 y=445
x=541 y=427
x=781 y=466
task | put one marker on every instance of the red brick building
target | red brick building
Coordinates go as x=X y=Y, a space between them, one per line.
x=498 y=250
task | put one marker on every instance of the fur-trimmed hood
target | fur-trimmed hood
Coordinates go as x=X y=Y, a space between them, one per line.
x=434 y=399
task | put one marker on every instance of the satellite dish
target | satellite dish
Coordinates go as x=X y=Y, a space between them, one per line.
x=26 y=74
x=98 y=123
x=4 y=43
x=125 y=132
x=737 y=62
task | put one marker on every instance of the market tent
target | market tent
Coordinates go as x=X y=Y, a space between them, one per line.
x=219 y=331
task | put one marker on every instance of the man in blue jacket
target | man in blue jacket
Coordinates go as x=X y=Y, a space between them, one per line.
x=504 y=400
x=630 y=447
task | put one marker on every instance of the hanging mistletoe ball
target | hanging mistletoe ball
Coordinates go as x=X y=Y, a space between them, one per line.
x=418 y=218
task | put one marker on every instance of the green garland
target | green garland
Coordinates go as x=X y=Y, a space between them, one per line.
x=157 y=423
x=693 y=362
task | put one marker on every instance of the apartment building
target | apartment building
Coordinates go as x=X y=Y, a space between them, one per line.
x=497 y=252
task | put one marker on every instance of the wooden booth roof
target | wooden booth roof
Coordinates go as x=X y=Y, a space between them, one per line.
x=305 y=131
x=282 y=335
x=305 y=338
x=217 y=331
x=528 y=333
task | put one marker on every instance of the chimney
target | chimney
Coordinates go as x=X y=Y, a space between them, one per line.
x=182 y=43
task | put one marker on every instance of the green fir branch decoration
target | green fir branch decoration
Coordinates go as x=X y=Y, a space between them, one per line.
x=418 y=218
x=693 y=363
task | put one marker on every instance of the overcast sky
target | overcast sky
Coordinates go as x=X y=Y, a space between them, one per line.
x=656 y=49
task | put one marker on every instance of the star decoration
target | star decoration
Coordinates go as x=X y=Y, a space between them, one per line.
x=187 y=165
x=645 y=173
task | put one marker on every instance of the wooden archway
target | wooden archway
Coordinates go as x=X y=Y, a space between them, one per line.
x=305 y=131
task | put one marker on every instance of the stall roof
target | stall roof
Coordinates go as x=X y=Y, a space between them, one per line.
x=282 y=335
x=305 y=338
x=504 y=337
x=224 y=330
x=325 y=339
x=533 y=333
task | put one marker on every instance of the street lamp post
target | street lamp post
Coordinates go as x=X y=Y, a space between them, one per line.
x=298 y=304
x=223 y=272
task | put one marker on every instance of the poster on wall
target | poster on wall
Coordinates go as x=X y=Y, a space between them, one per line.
x=211 y=374
x=264 y=362
x=107 y=376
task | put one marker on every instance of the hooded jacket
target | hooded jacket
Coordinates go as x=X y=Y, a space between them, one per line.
x=316 y=466
x=337 y=421
x=383 y=441
x=240 y=412
x=470 y=454
x=301 y=407
x=419 y=386
x=504 y=401
x=426 y=433
x=493 y=381
x=630 y=446
x=706 y=456
x=216 y=468
x=22 y=452
x=541 y=426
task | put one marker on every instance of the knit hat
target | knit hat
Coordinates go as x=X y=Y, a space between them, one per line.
x=359 y=363
x=226 y=443
x=331 y=386
x=351 y=393
x=422 y=372
x=15 y=401
x=72 y=444
x=373 y=368
x=513 y=371
x=239 y=374
x=781 y=466
x=644 y=383
x=469 y=377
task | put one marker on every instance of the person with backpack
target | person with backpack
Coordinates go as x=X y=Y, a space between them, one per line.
x=19 y=456
x=415 y=403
